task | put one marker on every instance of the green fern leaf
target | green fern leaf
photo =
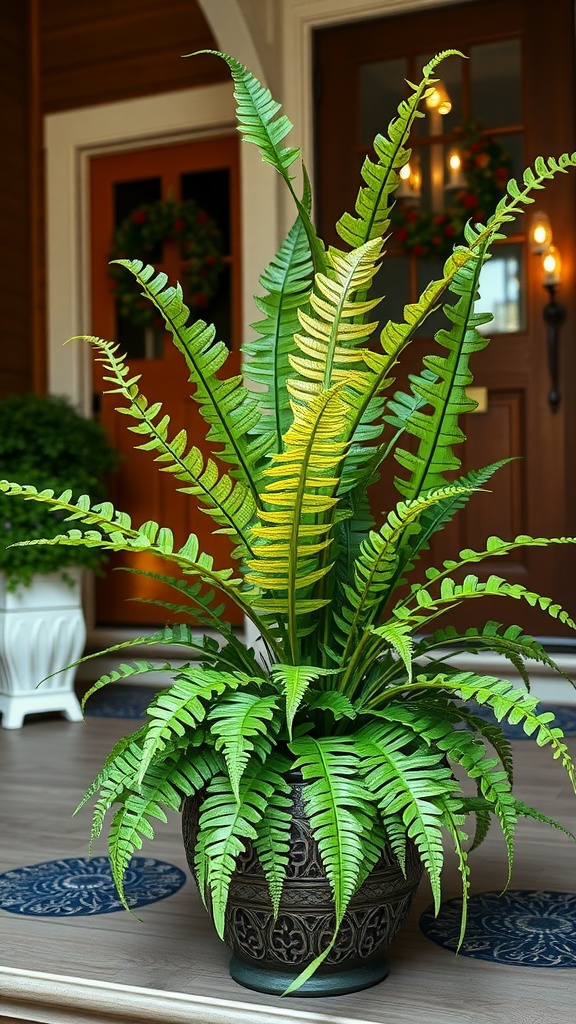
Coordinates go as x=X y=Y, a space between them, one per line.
x=340 y=811
x=226 y=824
x=295 y=680
x=243 y=724
x=409 y=783
x=273 y=831
x=287 y=281
x=373 y=202
x=180 y=708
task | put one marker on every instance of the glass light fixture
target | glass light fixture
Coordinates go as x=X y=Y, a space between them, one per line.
x=410 y=180
x=552 y=266
x=439 y=99
x=540 y=236
x=455 y=177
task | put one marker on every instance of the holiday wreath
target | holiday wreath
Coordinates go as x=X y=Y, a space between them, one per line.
x=486 y=167
x=138 y=237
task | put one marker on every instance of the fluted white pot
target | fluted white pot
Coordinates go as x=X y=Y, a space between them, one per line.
x=42 y=629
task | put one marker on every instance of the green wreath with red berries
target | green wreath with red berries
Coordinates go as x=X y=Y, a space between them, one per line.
x=486 y=167
x=201 y=247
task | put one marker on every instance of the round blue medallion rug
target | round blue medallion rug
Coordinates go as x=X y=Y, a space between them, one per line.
x=526 y=928
x=78 y=886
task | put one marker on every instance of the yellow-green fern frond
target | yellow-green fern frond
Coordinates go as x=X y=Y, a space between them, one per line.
x=298 y=505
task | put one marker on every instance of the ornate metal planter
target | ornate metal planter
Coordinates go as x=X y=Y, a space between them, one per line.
x=268 y=954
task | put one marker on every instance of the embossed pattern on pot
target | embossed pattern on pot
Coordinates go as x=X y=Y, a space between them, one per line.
x=269 y=952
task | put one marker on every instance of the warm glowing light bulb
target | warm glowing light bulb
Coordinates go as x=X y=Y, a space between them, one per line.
x=439 y=99
x=454 y=162
x=405 y=172
x=551 y=265
x=540 y=235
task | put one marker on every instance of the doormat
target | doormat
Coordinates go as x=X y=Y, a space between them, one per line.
x=119 y=701
x=79 y=886
x=565 y=715
x=524 y=928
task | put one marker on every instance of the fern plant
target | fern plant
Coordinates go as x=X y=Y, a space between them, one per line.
x=351 y=683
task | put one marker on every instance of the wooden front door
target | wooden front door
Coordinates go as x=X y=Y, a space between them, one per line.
x=205 y=172
x=518 y=82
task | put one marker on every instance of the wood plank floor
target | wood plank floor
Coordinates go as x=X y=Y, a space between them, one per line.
x=170 y=967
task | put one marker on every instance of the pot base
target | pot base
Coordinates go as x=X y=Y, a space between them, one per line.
x=336 y=983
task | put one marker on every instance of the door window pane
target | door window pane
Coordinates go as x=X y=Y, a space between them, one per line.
x=502 y=291
x=136 y=341
x=495 y=81
x=382 y=87
x=450 y=74
x=210 y=190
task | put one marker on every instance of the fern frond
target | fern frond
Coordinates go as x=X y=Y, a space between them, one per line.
x=409 y=782
x=287 y=281
x=340 y=811
x=508 y=641
x=244 y=725
x=295 y=530
x=258 y=122
x=226 y=406
x=180 y=708
x=273 y=831
x=373 y=203
x=226 y=824
x=295 y=680
x=438 y=431
x=377 y=564
x=230 y=503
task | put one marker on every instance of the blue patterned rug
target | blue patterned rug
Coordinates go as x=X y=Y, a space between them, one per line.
x=525 y=928
x=125 y=701
x=119 y=701
x=78 y=886
x=565 y=715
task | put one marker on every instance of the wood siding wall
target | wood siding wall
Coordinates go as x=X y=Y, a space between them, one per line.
x=98 y=53
x=15 y=242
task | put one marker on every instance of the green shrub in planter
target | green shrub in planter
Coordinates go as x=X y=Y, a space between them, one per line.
x=45 y=442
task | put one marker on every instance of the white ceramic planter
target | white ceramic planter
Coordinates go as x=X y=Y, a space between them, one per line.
x=42 y=629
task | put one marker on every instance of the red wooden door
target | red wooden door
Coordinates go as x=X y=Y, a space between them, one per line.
x=519 y=82
x=207 y=173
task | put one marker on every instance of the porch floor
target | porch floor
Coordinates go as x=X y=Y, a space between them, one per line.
x=170 y=967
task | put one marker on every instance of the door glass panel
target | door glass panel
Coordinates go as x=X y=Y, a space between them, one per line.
x=428 y=271
x=391 y=281
x=210 y=190
x=450 y=73
x=495 y=82
x=502 y=291
x=138 y=341
x=381 y=90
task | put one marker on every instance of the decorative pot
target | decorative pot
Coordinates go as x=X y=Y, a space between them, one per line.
x=268 y=953
x=42 y=628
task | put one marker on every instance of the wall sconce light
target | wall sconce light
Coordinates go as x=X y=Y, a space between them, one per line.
x=455 y=177
x=410 y=174
x=439 y=99
x=554 y=313
x=540 y=233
